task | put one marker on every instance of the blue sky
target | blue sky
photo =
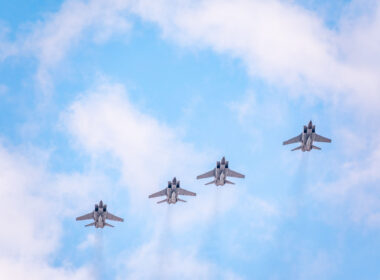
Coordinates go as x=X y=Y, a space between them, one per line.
x=111 y=99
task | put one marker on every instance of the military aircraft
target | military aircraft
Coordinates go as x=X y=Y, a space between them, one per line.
x=99 y=215
x=306 y=138
x=220 y=174
x=172 y=192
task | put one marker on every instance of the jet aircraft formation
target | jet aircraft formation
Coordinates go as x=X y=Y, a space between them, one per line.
x=219 y=175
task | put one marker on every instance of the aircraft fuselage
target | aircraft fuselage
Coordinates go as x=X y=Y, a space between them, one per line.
x=220 y=175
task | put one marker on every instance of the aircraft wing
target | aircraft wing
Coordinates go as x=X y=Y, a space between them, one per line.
x=114 y=218
x=185 y=192
x=207 y=174
x=319 y=138
x=293 y=140
x=157 y=194
x=88 y=216
x=235 y=174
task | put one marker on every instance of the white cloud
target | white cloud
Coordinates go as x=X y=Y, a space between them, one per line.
x=148 y=152
x=35 y=270
x=103 y=122
x=90 y=241
x=280 y=42
x=355 y=192
x=34 y=210
x=52 y=38
x=153 y=261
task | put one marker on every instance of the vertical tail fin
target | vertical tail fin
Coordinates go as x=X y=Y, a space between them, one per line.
x=315 y=147
x=298 y=148
x=92 y=224
x=212 y=182
x=181 y=200
x=229 y=182
x=165 y=200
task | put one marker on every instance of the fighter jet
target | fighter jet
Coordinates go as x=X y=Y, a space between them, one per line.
x=99 y=215
x=220 y=173
x=306 y=138
x=172 y=192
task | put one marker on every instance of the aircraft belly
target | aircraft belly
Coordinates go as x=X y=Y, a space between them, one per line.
x=173 y=198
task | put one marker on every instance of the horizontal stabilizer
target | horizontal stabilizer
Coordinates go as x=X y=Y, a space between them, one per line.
x=229 y=182
x=212 y=182
x=315 y=147
x=181 y=200
x=108 y=225
x=298 y=148
x=92 y=224
x=162 y=201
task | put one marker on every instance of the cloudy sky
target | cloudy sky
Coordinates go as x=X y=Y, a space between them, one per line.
x=111 y=99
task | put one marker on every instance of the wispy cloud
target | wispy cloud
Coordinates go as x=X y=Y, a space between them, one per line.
x=147 y=152
x=355 y=189
x=36 y=206
x=169 y=263
x=51 y=39
x=281 y=42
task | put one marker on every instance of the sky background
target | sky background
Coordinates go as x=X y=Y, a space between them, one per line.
x=111 y=99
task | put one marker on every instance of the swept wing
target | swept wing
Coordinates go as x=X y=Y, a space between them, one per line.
x=86 y=217
x=207 y=174
x=319 y=138
x=293 y=140
x=157 y=194
x=235 y=174
x=114 y=218
x=185 y=192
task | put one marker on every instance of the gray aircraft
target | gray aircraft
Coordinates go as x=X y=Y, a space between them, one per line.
x=172 y=192
x=100 y=215
x=306 y=138
x=220 y=174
